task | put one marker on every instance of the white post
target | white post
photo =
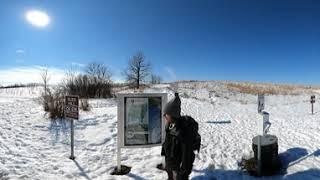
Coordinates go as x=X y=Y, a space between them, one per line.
x=120 y=130
x=260 y=103
x=266 y=123
x=118 y=154
x=263 y=127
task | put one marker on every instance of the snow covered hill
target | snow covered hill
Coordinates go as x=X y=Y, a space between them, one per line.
x=34 y=147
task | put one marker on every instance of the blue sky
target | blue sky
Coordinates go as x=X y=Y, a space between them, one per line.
x=249 y=40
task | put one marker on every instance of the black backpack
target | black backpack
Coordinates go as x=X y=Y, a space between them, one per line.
x=191 y=127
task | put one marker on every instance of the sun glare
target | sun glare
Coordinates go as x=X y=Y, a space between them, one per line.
x=37 y=18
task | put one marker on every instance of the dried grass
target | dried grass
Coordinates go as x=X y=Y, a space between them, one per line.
x=267 y=88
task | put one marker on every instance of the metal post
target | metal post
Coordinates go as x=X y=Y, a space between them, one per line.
x=259 y=155
x=72 y=140
x=312 y=108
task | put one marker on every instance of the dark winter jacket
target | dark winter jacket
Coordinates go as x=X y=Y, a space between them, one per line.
x=177 y=149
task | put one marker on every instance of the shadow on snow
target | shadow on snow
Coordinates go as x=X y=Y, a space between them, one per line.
x=219 y=122
x=288 y=158
x=59 y=130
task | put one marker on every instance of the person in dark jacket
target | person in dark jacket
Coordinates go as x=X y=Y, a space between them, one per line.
x=177 y=149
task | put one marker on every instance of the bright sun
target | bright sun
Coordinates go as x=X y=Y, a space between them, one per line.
x=37 y=18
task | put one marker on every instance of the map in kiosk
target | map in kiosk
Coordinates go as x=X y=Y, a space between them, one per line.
x=143 y=121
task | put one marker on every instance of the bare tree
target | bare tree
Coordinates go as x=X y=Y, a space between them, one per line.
x=45 y=77
x=138 y=69
x=100 y=76
x=155 y=79
x=100 y=71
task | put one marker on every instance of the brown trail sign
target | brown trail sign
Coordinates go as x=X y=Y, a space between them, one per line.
x=71 y=112
x=72 y=107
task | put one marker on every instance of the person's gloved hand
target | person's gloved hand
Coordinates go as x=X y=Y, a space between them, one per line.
x=161 y=167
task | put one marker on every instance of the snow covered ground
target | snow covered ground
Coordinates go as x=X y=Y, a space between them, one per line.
x=34 y=147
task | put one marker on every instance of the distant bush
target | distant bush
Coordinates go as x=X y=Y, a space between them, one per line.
x=54 y=103
x=155 y=79
x=86 y=86
x=19 y=85
x=94 y=83
x=84 y=105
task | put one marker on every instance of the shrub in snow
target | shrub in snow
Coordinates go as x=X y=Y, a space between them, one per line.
x=54 y=103
x=84 y=105
x=45 y=99
x=45 y=102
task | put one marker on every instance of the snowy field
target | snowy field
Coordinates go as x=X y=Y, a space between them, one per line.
x=34 y=147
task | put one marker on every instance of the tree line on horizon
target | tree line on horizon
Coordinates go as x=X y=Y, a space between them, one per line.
x=94 y=82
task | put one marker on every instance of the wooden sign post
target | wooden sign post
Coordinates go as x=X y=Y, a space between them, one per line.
x=312 y=100
x=72 y=112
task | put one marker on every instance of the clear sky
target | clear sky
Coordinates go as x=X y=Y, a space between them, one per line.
x=249 y=40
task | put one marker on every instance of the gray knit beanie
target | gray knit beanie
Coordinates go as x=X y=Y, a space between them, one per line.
x=173 y=107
